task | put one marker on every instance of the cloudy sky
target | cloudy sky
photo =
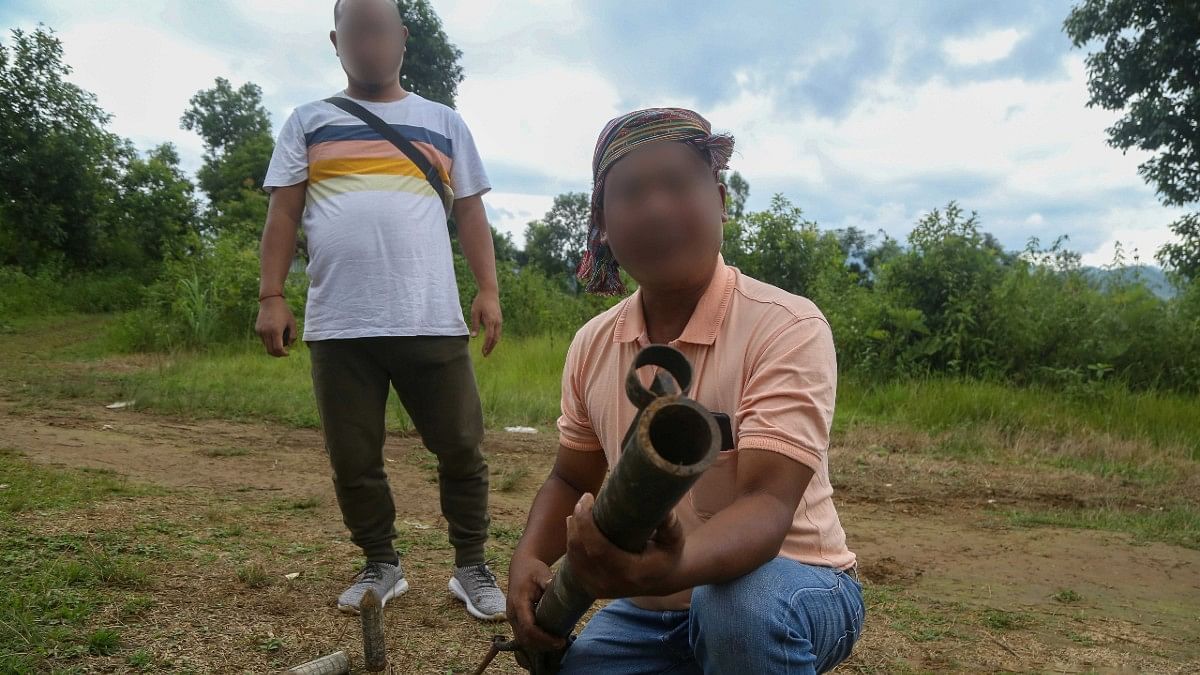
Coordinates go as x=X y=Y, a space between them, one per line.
x=861 y=113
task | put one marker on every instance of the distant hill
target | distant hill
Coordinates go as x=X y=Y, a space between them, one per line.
x=1153 y=277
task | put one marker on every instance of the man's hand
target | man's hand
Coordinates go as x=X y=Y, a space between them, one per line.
x=528 y=578
x=608 y=572
x=274 y=317
x=486 y=311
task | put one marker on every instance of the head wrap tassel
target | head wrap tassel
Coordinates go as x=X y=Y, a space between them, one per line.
x=599 y=271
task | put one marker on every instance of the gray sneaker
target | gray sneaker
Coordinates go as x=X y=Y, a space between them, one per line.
x=387 y=580
x=476 y=586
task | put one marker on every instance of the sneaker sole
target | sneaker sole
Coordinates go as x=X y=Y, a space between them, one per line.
x=400 y=588
x=457 y=591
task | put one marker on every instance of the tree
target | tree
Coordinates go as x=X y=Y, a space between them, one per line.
x=1148 y=67
x=779 y=246
x=60 y=164
x=555 y=244
x=154 y=214
x=431 y=66
x=225 y=117
x=236 y=130
x=736 y=195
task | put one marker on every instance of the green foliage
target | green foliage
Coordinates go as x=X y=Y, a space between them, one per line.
x=60 y=164
x=737 y=192
x=1147 y=67
x=1183 y=257
x=782 y=248
x=236 y=130
x=555 y=244
x=74 y=196
x=431 y=63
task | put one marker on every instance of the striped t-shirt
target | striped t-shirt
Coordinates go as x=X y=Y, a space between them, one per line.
x=379 y=251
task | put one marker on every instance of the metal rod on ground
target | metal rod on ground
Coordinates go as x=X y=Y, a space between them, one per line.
x=336 y=663
x=670 y=443
x=374 y=645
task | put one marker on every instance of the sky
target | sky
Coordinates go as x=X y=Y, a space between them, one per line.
x=863 y=114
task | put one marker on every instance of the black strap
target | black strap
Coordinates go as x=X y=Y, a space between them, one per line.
x=403 y=144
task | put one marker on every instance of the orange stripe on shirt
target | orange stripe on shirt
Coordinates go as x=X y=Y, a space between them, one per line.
x=339 y=150
x=362 y=166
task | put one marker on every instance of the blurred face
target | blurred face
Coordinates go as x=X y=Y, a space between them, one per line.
x=662 y=213
x=369 y=38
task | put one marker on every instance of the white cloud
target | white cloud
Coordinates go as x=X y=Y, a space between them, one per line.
x=983 y=48
x=535 y=104
x=510 y=211
x=1140 y=231
x=144 y=78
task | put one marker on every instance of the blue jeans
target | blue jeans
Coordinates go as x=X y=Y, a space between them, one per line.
x=784 y=617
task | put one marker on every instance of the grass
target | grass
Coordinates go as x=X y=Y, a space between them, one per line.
x=54 y=585
x=31 y=488
x=103 y=642
x=254 y=576
x=1165 y=420
x=1001 y=620
x=920 y=622
x=509 y=479
x=1067 y=596
x=1178 y=525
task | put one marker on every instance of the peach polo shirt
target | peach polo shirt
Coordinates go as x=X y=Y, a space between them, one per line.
x=762 y=356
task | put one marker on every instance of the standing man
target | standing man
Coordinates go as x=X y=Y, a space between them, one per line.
x=383 y=304
x=750 y=573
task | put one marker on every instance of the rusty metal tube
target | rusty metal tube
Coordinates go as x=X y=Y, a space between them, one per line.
x=670 y=444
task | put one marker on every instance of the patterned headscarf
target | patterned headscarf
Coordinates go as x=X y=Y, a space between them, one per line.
x=599 y=270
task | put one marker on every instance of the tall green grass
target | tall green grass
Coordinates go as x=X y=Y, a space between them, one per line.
x=518 y=384
x=1169 y=421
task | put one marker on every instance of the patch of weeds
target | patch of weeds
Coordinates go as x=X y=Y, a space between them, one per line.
x=253 y=576
x=135 y=605
x=119 y=572
x=229 y=532
x=141 y=659
x=510 y=479
x=1082 y=640
x=103 y=642
x=506 y=534
x=305 y=504
x=997 y=619
x=1067 y=596
x=270 y=644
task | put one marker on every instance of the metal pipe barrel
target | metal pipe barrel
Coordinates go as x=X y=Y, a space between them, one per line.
x=671 y=442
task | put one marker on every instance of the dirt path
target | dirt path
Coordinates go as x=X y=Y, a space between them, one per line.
x=952 y=586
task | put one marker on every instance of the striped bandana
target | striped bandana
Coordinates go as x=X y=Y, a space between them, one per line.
x=599 y=270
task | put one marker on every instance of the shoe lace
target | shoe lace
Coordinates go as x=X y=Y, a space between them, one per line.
x=373 y=571
x=482 y=575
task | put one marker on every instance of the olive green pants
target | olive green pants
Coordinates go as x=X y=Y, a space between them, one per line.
x=435 y=381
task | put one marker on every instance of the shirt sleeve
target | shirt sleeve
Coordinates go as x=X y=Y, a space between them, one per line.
x=289 y=160
x=787 y=403
x=467 y=175
x=574 y=424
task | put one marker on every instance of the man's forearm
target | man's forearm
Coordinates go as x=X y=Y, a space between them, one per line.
x=736 y=541
x=545 y=536
x=279 y=238
x=475 y=237
x=277 y=251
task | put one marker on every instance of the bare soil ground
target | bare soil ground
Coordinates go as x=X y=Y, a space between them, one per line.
x=952 y=583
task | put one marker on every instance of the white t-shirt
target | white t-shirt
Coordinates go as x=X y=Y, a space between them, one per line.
x=379 y=250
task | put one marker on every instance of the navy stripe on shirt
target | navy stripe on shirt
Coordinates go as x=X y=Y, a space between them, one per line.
x=362 y=132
